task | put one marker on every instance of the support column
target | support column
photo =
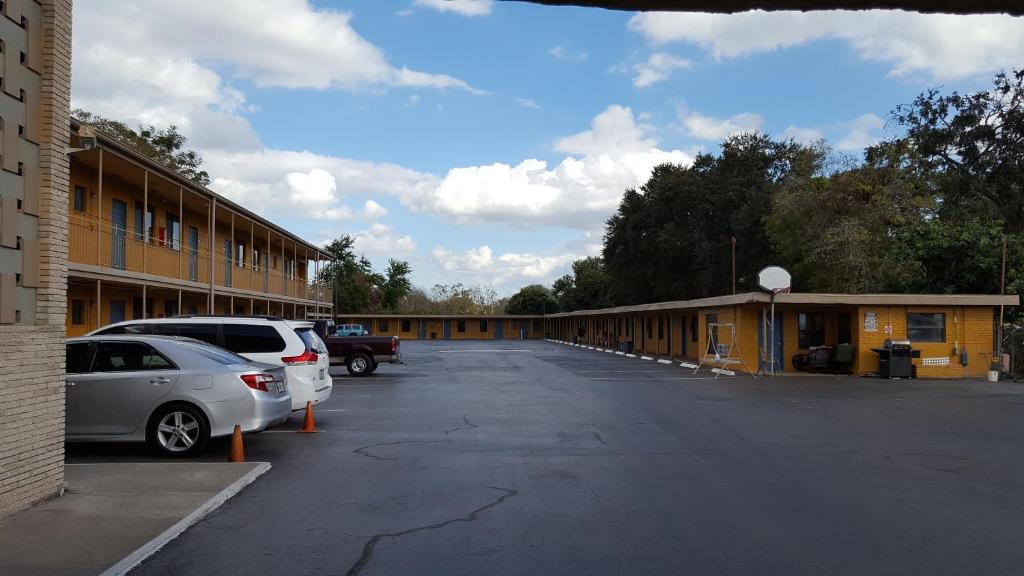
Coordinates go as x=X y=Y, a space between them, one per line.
x=213 y=241
x=99 y=303
x=144 y=316
x=180 y=311
x=181 y=235
x=145 y=214
x=99 y=211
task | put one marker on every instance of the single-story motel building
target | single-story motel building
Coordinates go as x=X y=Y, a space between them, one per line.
x=955 y=333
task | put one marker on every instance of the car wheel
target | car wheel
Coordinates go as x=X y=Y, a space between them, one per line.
x=178 y=431
x=373 y=367
x=359 y=364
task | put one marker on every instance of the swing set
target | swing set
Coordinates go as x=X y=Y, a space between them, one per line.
x=723 y=354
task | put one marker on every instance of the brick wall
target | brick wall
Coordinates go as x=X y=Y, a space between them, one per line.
x=36 y=100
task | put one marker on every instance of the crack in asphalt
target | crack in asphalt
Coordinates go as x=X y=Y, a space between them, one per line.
x=598 y=437
x=368 y=548
x=469 y=425
x=363 y=451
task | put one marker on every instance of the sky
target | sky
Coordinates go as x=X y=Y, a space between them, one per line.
x=487 y=142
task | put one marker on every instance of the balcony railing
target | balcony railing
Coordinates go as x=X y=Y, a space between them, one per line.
x=105 y=244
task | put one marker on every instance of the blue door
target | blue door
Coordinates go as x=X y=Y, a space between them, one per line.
x=423 y=330
x=524 y=329
x=499 y=330
x=116 y=311
x=193 y=253
x=762 y=342
x=118 y=230
x=447 y=329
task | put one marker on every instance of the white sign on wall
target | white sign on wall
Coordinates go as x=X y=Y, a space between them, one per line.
x=870 y=322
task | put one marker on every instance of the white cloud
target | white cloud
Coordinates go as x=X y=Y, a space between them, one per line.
x=717 y=129
x=382 y=240
x=373 y=210
x=861 y=132
x=944 y=46
x=282 y=182
x=802 y=135
x=659 y=66
x=563 y=53
x=463 y=7
x=481 y=265
x=153 y=62
x=615 y=154
x=528 y=103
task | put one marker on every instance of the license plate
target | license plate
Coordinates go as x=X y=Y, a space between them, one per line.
x=321 y=373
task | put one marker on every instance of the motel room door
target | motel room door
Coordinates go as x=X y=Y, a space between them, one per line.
x=762 y=342
x=118 y=231
x=499 y=330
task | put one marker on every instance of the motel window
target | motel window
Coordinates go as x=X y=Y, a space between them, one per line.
x=77 y=312
x=382 y=327
x=461 y=326
x=661 y=328
x=406 y=326
x=845 y=329
x=170 y=308
x=650 y=332
x=926 y=327
x=80 y=199
x=693 y=328
x=241 y=254
x=173 y=232
x=537 y=326
x=255 y=258
x=810 y=330
x=483 y=325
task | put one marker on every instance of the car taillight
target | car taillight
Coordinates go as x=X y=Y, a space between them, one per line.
x=257 y=381
x=307 y=357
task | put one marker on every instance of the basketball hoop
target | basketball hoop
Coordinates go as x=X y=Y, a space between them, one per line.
x=775 y=280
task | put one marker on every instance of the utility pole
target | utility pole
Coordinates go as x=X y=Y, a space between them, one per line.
x=733 y=242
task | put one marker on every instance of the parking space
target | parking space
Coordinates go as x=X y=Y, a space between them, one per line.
x=511 y=457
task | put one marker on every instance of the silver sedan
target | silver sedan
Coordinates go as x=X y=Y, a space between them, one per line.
x=173 y=393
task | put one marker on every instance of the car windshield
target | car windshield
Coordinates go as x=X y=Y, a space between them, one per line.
x=214 y=353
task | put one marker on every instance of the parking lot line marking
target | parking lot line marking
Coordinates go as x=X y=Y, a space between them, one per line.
x=483 y=350
x=335 y=410
x=663 y=361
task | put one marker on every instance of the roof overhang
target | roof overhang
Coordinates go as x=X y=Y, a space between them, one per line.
x=809 y=299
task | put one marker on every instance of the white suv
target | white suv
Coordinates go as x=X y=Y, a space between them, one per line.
x=289 y=343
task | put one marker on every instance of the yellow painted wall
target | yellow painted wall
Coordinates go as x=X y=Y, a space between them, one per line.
x=970 y=327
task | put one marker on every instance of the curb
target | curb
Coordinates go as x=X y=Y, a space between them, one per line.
x=149 y=548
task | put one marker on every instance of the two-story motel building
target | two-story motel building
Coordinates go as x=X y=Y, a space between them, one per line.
x=146 y=242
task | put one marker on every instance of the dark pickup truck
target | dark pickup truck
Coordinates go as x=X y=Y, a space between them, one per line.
x=359 y=354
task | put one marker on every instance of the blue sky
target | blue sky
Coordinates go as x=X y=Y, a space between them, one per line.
x=486 y=142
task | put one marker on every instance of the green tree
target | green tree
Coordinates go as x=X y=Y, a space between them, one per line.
x=530 y=300
x=164 y=146
x=396 y=284
x=672 y=239
x=969 y=147
x=585 y=289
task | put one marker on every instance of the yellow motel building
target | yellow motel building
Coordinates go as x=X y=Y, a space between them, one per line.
x=145 y=242
x=450 y=327
x=955 y=334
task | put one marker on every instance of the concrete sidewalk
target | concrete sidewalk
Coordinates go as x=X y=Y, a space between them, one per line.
x=114 y=515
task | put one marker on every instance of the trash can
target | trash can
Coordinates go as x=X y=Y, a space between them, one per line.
x=627 y=346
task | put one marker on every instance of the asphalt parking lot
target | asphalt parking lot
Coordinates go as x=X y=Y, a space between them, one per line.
x=537 y=458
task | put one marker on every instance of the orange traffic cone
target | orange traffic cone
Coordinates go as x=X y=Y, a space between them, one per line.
x=309 y=425
x=237 y=453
